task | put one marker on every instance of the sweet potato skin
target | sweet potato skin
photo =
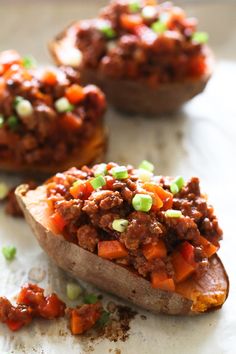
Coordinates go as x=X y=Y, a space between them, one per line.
x=91 y=152
x=132 y=96
x=137 y=98
x=105 y=274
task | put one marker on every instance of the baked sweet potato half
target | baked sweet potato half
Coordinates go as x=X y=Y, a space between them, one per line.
x=151 y=240
x=147 y=58
x=48 y=121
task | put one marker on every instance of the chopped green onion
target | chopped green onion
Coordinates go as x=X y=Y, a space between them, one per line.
x=63 y=105
x=13 y=122
x=90 y=299
x=177 y=185
x=146 y=165
x=1 y=121
x=173 y=213
x=119 y=172
x=120 y=225
x=106 y=29
x=200 y=37
x=3 y=191
x=159 y=27
x=9 y=252
x=29 y=62
x=179 y=181
x=142 y=202
x=174 y=188
x=71 y=56
x=144 y=175
x=101 y=169
x=148 y=12
x=98 y=182
x=24 y=108
x=104 y=318
x=134 y=6
x=17 y=100
x=73 y=291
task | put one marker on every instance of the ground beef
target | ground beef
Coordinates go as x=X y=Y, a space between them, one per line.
x=143 y=228
x=90 y=220
x=87 y=237
x=45 y=135
x=137 y=51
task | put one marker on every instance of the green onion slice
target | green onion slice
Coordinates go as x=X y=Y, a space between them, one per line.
x=142 y=202
x=98 y=182
x=9 y=252
x=13 y=122
x=120 y=225
x=119 y=172
x=90 y=299
x=106 y=29
x=173 y=213
x=104 y=318
x=146 y=165
x=101 y=169
x=134 y=6
x=73 y=291
x=17 y=100
x=63 y=105
x=200 y=37
x=174 y=188
x=149 y=12
x=29 y=62
x=144 y=175
x=1 y=121
x=159 y=27
x=177 y=185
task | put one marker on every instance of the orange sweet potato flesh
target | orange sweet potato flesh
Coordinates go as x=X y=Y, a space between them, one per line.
x=193 y=296
x=132 y=96
x=91 y=152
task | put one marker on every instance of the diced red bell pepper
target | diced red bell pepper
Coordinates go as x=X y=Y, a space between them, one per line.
x=52 y=307
x=109 y=182
x=14 y=325
x=8 y=58
x=187 y=252
x=81 y=190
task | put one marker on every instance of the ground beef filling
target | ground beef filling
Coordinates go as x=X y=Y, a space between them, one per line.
x=87 y=218
x=40 y=130
x=121 y=43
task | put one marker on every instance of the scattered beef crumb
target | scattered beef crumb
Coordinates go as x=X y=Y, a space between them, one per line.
x=118 y=326
x=12 y=208
x=143 y=317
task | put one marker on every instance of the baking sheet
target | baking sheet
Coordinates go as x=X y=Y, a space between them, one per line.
x=200 y=140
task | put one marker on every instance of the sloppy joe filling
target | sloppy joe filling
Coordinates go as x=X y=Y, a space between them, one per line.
x=144 y=40
x=161 y=228
x=45 y=115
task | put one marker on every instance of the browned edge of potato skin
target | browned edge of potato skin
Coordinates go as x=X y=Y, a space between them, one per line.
x=92 y=151
x=132 y=96
x=105 y=274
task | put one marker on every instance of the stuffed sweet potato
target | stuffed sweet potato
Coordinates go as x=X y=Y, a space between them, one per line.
x=47 y=120
x=149 y=239
x=147 y=58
